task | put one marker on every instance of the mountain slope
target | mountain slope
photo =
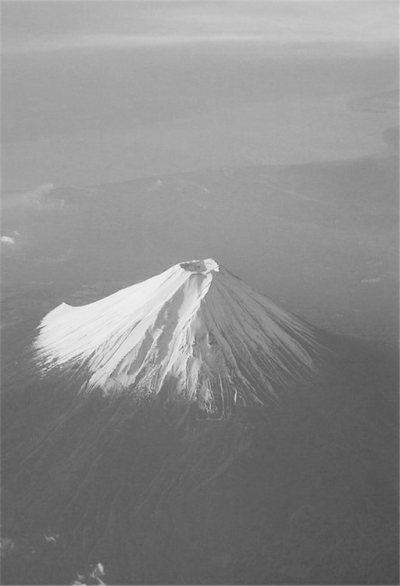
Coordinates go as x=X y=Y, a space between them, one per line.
x=195 y=332
x=184 y=431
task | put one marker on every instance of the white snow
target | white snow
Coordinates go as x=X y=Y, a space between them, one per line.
x=195 y=330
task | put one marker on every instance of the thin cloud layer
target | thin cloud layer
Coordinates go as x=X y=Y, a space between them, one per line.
x=41 y=26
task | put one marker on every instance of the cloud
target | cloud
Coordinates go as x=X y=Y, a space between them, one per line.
x=8 y=240
x=38 y=200
x=38 y=197
x=11 y=242
x=368 y=24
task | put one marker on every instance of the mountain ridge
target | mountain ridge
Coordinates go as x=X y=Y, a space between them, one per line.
x=195 y=332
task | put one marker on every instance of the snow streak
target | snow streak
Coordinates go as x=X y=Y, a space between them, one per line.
x=195 y=332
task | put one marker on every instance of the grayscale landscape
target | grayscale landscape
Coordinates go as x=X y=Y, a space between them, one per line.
x=259 y=443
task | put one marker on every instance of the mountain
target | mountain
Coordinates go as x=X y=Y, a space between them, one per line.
x=186 y=430
x=195 y=332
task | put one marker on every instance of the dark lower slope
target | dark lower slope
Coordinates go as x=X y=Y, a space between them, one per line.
x=301 y=494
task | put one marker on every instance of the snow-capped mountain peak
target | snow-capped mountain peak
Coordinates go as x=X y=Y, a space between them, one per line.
x=195 y=332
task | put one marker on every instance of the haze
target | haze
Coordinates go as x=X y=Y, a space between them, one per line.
x=218 y=117
x=97 y=92
x=199 y=428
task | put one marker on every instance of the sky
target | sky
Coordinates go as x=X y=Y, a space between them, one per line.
x=350 y=25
